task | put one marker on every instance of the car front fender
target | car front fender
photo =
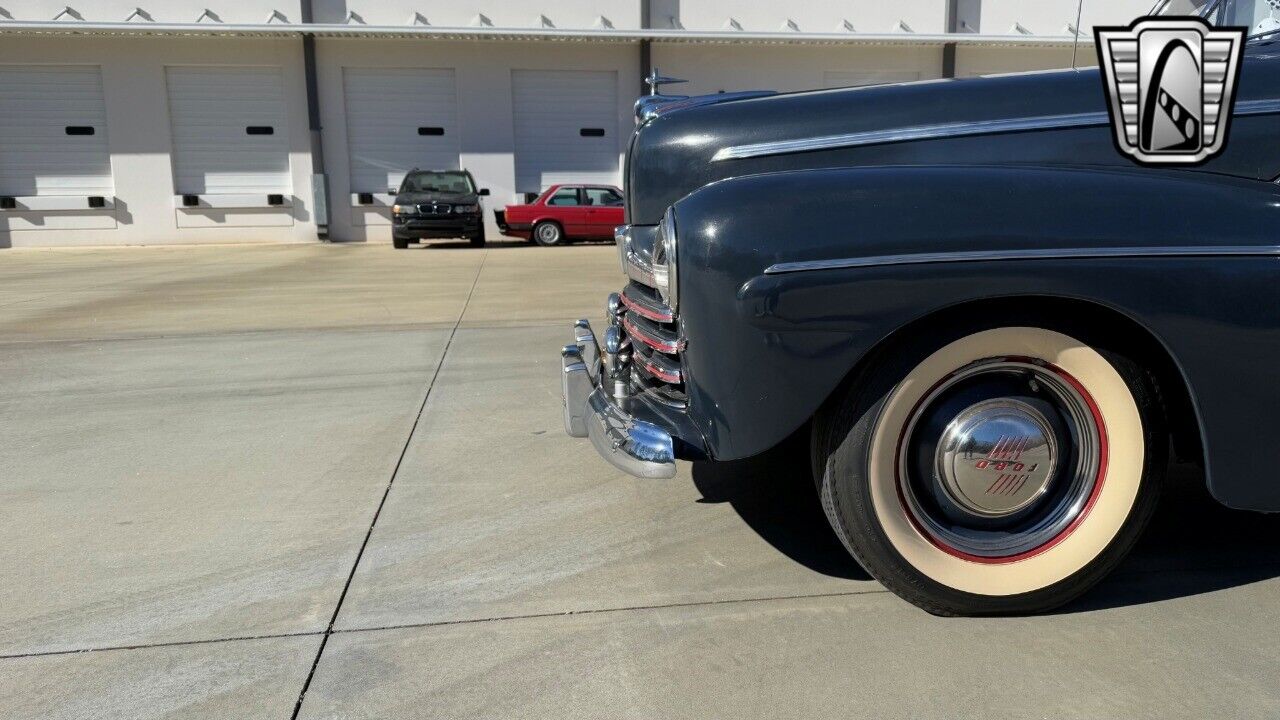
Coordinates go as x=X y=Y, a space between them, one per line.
x=789 y=280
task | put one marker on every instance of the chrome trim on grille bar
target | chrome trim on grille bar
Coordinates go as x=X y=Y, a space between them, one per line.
x=660 y=367
x=1028 y=254
x=648 y=309
x=661 y=344
x=947 y=130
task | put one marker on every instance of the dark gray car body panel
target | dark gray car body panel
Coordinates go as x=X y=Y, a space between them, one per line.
x=672 y=156
x=766 y=350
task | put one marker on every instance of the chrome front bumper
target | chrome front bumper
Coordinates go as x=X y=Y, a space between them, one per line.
x=636 y=447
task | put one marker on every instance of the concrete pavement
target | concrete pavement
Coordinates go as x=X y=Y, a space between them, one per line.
x=212 y=454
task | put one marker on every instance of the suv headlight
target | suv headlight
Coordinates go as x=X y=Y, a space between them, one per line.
x=664 y=260
x=404 y=209
x=466 y=208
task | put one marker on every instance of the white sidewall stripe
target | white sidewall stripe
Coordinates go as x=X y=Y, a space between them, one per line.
x=1123 y=474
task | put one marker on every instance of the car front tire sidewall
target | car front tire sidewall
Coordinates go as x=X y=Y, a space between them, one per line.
x=856 y=449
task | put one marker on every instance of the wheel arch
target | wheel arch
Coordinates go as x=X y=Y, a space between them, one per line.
x=1118 y=329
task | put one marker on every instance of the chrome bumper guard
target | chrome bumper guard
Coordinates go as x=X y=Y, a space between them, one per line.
x=636 y=447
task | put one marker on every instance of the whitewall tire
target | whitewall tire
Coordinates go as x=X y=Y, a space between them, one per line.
x=995 y=470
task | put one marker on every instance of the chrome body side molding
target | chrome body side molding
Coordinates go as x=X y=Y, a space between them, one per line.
x=947 y=130
x=1026 y=254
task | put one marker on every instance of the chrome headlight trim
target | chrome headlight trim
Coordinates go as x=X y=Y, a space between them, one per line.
x=665 y=260
x=622 y=237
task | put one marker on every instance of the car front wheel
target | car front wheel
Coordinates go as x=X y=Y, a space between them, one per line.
x=1006 y=471
x=548 y=233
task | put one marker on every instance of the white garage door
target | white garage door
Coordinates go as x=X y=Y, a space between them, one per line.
x=566 y=124
x=859 y=78
x=53 y=131
x=399 y=119
x=229 y=133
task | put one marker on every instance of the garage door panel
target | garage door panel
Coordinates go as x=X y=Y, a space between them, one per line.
x=385 y=109
x=552 y=108
x=211 y=110
x=37 y=155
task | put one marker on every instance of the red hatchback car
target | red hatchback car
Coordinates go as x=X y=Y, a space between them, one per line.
x=565 y=212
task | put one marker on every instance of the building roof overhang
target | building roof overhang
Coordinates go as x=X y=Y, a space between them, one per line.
x=153 y=29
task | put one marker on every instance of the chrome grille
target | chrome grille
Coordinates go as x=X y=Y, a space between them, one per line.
x=435 y=209
x=652 y=327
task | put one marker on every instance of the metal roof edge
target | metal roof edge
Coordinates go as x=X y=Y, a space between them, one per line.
x=529 y=34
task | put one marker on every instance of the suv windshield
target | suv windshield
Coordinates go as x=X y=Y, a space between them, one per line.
x=447 y=181
x=1262 y=17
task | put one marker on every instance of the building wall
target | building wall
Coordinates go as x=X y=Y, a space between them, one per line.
x=563 y=14
x=973 y=61
x=722 y=67
x=921 y=16
x=133 y=70
x=138 y=136
x=1053 y=17
x=243 y=12
x=995 y=17
x=483 y=72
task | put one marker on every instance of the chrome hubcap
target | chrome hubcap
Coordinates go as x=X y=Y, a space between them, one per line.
x=997 y=457
x=1000 y=458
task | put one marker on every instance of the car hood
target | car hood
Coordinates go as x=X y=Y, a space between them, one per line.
x=676 y=153
x=419 y=198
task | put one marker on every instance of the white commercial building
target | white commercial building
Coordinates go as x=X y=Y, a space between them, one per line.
x=187 y=121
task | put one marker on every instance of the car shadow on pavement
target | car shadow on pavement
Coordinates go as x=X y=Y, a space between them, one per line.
x=774 y=494
x=501 y=244
x=1194 y=545
x=498 y=244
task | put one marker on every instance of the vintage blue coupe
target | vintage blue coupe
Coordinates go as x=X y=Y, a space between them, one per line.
x=992 y=325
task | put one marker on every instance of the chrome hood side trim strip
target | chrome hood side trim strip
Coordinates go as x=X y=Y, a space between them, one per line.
x=947 y=130
x=1028 y=254
x=907 y=134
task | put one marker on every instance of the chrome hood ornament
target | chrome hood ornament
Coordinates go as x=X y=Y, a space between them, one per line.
x=656 y=80
x=647 y=105
x=656 y=103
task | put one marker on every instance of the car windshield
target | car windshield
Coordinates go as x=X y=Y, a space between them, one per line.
x=438 y=181
x=1262 y=17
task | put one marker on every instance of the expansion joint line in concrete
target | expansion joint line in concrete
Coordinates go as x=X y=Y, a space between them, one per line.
x=404 y=449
